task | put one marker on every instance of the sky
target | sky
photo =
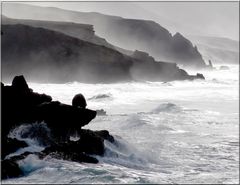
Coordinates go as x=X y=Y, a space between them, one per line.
x=219 y=19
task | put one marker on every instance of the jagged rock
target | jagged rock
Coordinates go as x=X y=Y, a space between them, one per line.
x=18 y=102
x=62 y=118
x=19 y=83
x=90 y=142
x=10 y=169
x=10 y=145
x=79 y=101
x=64 y=151
x=22 y=105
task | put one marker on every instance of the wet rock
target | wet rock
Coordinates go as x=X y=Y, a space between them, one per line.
x=105 y=135
x=64 y=151
x=10 y=145
x=10 y=169
x=22 y=105
x=90 y=142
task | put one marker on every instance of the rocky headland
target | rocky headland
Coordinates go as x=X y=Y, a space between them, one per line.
x=20 y=105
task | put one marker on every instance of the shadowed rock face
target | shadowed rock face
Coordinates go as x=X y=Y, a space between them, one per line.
x=47 y=56
x=130 y=34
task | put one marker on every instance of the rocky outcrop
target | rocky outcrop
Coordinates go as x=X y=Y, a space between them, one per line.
x=10 y=145
x=10 y=169
x=48 y=56
x=22 y=105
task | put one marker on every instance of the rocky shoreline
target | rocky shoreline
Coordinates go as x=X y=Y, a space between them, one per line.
x=20 y=105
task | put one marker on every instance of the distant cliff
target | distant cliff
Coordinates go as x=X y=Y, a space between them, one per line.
x=82 y=31
x=218 y=50
x=48 y=56
x=129 y=34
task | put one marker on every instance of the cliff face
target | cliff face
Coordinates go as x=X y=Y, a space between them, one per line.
x=82 y=31
x=130 y=34
x=48 y=56
x=51 y=56
x=218 y=50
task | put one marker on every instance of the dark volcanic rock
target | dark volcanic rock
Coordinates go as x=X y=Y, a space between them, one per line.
x=64 y=151
x=10 y=169
x=10 y=145
x=21 y=105
x=61 y=118
x=105 y=135
x=90 y=142
x=28 y=107
x=18 y=102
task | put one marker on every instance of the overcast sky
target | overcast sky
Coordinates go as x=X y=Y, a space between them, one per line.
x=195 y=18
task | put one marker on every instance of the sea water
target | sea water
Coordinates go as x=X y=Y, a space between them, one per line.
x=173 y=132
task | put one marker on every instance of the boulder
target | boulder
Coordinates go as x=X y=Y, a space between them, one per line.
x=79 y=101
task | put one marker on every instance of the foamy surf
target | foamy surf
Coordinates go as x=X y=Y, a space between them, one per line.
x=177 y=132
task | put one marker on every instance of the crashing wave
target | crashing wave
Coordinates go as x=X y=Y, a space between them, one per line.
x=38 y=132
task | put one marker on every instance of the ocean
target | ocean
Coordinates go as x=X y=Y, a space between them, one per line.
x=173 y=132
